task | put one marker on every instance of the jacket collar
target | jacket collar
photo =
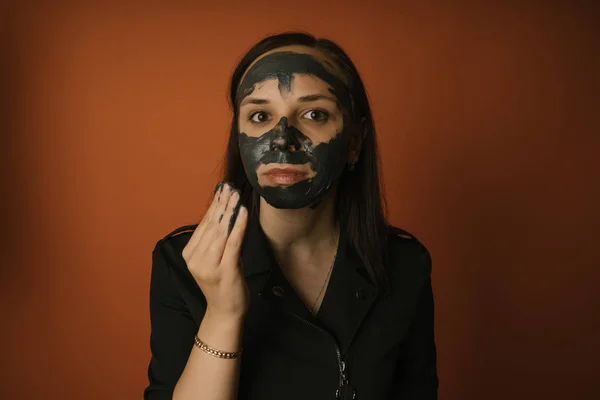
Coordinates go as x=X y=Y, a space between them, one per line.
x=348 y=296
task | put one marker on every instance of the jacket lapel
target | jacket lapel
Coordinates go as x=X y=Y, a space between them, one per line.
x=348 y=296
x=263 y=275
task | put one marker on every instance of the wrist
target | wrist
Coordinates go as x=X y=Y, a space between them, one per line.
x=221 y=331
x=224 y=321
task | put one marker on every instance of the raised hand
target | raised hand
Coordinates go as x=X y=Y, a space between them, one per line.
x=212 y=255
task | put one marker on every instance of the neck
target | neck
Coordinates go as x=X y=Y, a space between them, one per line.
x=298 y=235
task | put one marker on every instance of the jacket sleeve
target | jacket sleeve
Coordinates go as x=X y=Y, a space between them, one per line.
x=172 y=330
x=416 y=373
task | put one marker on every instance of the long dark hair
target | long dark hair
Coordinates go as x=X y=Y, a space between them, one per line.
x=359 y=198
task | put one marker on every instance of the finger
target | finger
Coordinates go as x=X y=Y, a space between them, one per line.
x=221 y=206
x=234 y=216
x=218 y=191
x=219 y=187
x=207 y=216
x=231 y=253
x=230 y=213
x=213 y=241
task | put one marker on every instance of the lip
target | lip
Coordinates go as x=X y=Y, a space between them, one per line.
x=285 y=171
x=285 y=176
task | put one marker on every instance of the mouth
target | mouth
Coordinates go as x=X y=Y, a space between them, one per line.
x=283 y=174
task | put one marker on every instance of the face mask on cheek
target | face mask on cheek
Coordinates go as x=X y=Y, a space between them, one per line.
x=287 y=145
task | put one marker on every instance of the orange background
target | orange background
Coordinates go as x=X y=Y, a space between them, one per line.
x=115 y=122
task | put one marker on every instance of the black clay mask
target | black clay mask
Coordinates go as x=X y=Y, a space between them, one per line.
x=285 y=145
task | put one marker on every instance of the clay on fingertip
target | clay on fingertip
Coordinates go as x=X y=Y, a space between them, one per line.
x=235 y=212
x=229 y=185
x=218 y=187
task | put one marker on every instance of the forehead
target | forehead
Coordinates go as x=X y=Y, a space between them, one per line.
x=284 y=63
x=301 y=85
x=320 y=57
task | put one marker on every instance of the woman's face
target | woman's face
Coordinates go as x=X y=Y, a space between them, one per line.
x=292 y=112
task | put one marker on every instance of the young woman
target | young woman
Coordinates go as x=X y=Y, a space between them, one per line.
x=294 y=285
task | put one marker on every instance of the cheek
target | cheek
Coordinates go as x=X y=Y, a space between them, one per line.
x=321 y=133
x=327 y=132
x=242 y=125
x=254 y=130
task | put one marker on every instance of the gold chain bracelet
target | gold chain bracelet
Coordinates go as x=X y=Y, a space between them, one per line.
x=214 y=352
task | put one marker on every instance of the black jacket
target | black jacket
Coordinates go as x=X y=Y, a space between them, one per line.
x=385 y=347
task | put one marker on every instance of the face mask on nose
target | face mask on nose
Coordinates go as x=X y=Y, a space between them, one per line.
x=286 y=145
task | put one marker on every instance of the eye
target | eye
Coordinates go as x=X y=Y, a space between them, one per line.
x=317 y=115
x=259 y=116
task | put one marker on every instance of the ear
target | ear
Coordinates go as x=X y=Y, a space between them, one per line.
x=356 y=140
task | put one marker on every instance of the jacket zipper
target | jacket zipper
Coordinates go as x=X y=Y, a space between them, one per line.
x=343 y=381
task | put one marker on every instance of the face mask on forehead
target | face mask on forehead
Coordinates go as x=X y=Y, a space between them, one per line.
x=285 y=144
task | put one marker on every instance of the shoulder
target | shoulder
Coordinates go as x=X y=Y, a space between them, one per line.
x=168 y=264
x=183 y=233
x=407 y=255
x=172 y=244
x=172 y=284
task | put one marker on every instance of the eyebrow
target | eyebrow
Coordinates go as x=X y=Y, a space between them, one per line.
x=313 y=97
x=253 y=100
x=303 y=99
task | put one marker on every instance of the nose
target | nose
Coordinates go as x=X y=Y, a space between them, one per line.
x=284 y=138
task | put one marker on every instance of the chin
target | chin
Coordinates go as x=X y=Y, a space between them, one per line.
x=286 y=204
x=292 y=197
